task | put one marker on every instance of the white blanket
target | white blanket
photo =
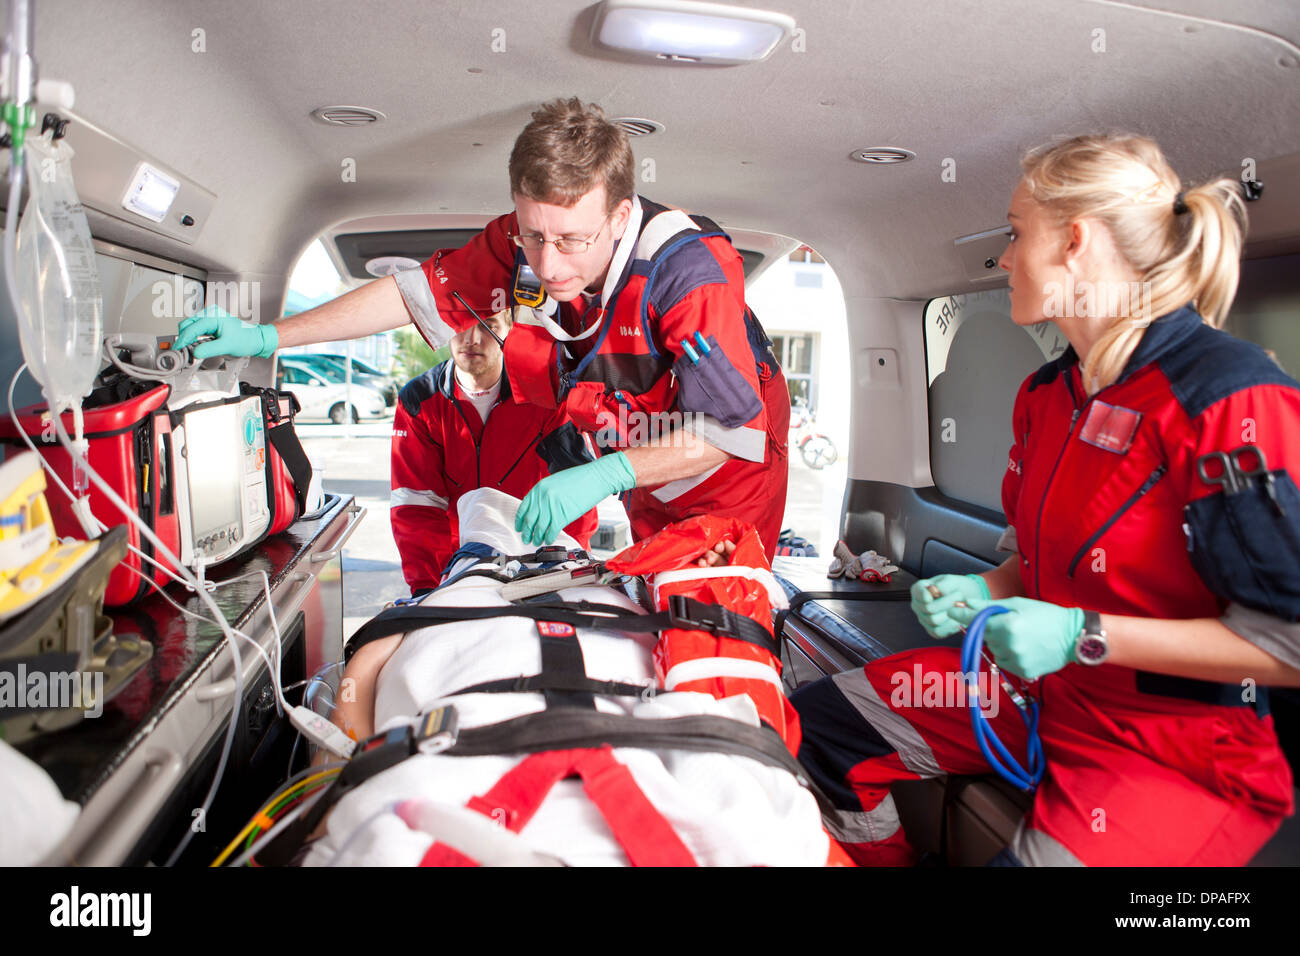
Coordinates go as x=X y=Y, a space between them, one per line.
x=727 y=810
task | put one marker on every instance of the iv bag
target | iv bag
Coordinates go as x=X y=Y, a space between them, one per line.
x=59 y=319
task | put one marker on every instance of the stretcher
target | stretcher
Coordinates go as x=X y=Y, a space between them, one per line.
x=535 y=733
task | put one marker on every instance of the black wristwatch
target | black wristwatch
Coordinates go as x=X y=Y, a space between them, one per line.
x=1091 y=646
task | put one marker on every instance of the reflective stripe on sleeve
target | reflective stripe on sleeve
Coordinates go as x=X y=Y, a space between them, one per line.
x=744 y=442
x=414 y=286
x=410 y=496
x=1270 y=634
x=675 y=489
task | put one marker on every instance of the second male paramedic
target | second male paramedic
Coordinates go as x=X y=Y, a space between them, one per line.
x=456 y=429
x=642 y=324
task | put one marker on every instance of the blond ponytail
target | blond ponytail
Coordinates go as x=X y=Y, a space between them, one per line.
x=1185 y=245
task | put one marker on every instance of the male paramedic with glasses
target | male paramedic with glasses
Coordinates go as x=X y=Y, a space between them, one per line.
x=632 y=320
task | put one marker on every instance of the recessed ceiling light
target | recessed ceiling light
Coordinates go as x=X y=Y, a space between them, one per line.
x=882 y=155
x=347 y=115
x=686 y=31
x=637 y=126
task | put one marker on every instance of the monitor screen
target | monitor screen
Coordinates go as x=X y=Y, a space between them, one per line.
x=213 y=460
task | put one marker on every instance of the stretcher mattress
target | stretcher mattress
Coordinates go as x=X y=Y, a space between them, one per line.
x=726 y=809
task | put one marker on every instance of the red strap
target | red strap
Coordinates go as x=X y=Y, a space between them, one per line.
x=439 y=854
x=645 y=836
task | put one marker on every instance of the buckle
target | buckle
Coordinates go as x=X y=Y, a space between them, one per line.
x=552 y=553
x=692 y=615
x=436 y=730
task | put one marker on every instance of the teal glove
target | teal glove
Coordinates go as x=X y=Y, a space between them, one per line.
x=558 y=499
x=1033 y=639
x=932 y=612
x=233 y=336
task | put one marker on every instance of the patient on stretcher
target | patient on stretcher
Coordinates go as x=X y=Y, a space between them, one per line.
x=725 y=793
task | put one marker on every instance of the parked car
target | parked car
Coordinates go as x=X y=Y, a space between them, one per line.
x=334 y=367
x=320 y=397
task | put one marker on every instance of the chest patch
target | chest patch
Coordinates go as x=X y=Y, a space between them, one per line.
x=1110 y=427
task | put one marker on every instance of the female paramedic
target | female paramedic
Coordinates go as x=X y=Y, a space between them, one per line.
x=1151 y=497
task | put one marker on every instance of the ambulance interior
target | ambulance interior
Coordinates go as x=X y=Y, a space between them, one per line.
x=427 y=98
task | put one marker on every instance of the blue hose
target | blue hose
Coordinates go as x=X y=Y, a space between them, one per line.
x=1007 y=766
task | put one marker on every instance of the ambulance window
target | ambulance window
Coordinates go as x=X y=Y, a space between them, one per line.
x=976 y=359
x=795 y=353
x=316 y=279
x=800 y=303
x=1265 y=308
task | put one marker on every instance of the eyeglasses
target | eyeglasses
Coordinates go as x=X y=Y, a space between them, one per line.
x=565 y=244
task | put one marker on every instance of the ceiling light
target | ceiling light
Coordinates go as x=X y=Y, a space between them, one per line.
x=150 y=193
x=682 y=30
x=882 y=155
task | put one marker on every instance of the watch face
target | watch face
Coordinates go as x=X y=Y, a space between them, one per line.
x=1091 y=648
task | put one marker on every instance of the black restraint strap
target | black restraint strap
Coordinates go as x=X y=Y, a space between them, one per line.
x=566 y=729
x=683 y=612
x=563 y=671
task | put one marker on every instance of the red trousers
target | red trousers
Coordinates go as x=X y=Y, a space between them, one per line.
x=1132 y=779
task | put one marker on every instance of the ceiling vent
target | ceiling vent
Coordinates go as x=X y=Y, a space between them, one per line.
x=346 y=115
x=635 y=126
x=882 y=155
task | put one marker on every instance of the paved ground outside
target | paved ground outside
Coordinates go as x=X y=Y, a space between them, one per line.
x=356 y=463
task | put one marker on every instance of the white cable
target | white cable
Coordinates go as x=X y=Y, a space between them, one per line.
x=113 y=342
x=219 y=619
x=11 y=288
x=96 y=527
x=22 y=433
x=281 y=704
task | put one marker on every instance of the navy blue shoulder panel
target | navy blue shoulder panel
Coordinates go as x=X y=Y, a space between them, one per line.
x=1210 y=365
x=1048 y=373
x=421 y=388
x=684 y=271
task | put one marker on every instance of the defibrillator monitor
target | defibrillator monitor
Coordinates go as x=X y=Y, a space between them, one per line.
x=528 y=288
x=219 y=453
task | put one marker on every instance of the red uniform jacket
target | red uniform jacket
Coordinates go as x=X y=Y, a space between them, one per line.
x=442 y=449
x=635 y=367
x=1112 y=513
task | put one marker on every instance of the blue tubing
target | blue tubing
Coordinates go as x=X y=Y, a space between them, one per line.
x=1002 y=762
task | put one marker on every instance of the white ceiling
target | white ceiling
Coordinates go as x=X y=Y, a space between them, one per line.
x=760 y=147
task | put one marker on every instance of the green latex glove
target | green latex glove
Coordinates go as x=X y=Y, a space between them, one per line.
x=233 y=336
x=932 y=612
x=1034 y=638
x=558 y=499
